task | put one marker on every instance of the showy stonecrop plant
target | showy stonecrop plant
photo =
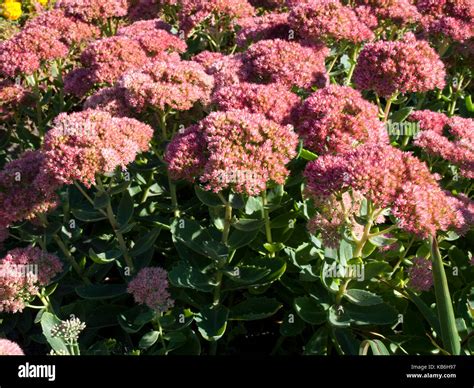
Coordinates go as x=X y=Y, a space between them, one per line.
x=228 y=177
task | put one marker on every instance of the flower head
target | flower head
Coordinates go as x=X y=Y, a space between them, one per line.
x=111 y=100
x=273 y=100
x=408 y=65
x=10 y=348
x=167 y=84
x=150 y=287
x=91 y=10
x=452 y=18
x=451 y=138
x=336 y=119
x=287 y=62
x=11 y=10
x=267 y=26
x=26 y=188
x=420 y=274
x=194 y=12
x=23 y=271
x=324 y=20
x=240 y=150
x=91 y=142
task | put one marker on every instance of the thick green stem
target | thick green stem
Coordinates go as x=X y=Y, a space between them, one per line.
x=219 y=274
x=444 y=305
x=342 y=291
x=388 y=106
x=355 y=54
x=266 y=217
x=70 y=258
x=39 y=112
x=160 y=334
x=116 y=228
x=174 y=197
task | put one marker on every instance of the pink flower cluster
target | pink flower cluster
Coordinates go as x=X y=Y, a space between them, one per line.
x=150 y=287
x=111 y=100
x=91 y=142
x=153 y=36
x=453 y=18
x=107 y=59
x=408 y=65
x=25 y=51
x=274 y=101
x=451 y=138
x=193 y=12
x=10 y=348
x=233 y=149
x=420 y=274
x=70 y=29
x=23 y=271
x=390 y=178
x=287 y=62
x=401 y=12
x=325 y=20
x=227 y=70
x=12 y=96
x=336 y=119
x=26 y=188
x=93 y=10
x=267 y=26
x=167 y=84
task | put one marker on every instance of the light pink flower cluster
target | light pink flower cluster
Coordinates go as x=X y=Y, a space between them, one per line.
x=227 y=70
x=107 y=59
x=234 y=149
x=274 y=101
x=389 y=178
x=91 y=142
x=327 y=20
x=25 y=51
x=267 y=26
x=451 y=138
x=287 y=62
x=167 y=84
x=336 y=119
x=194 y=12
x=111 y=100
x=10 y=348
x=150 y=287
x=23 y=271
x=91 y=10
x=26 y=188
x=408 y=65
x=401 y=12
x=12 y=95
x=453 y=18
x=70 y=29
x=153 y=36
x=420 y=274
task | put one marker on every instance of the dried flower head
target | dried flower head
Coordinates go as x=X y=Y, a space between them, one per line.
x=420 y=274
